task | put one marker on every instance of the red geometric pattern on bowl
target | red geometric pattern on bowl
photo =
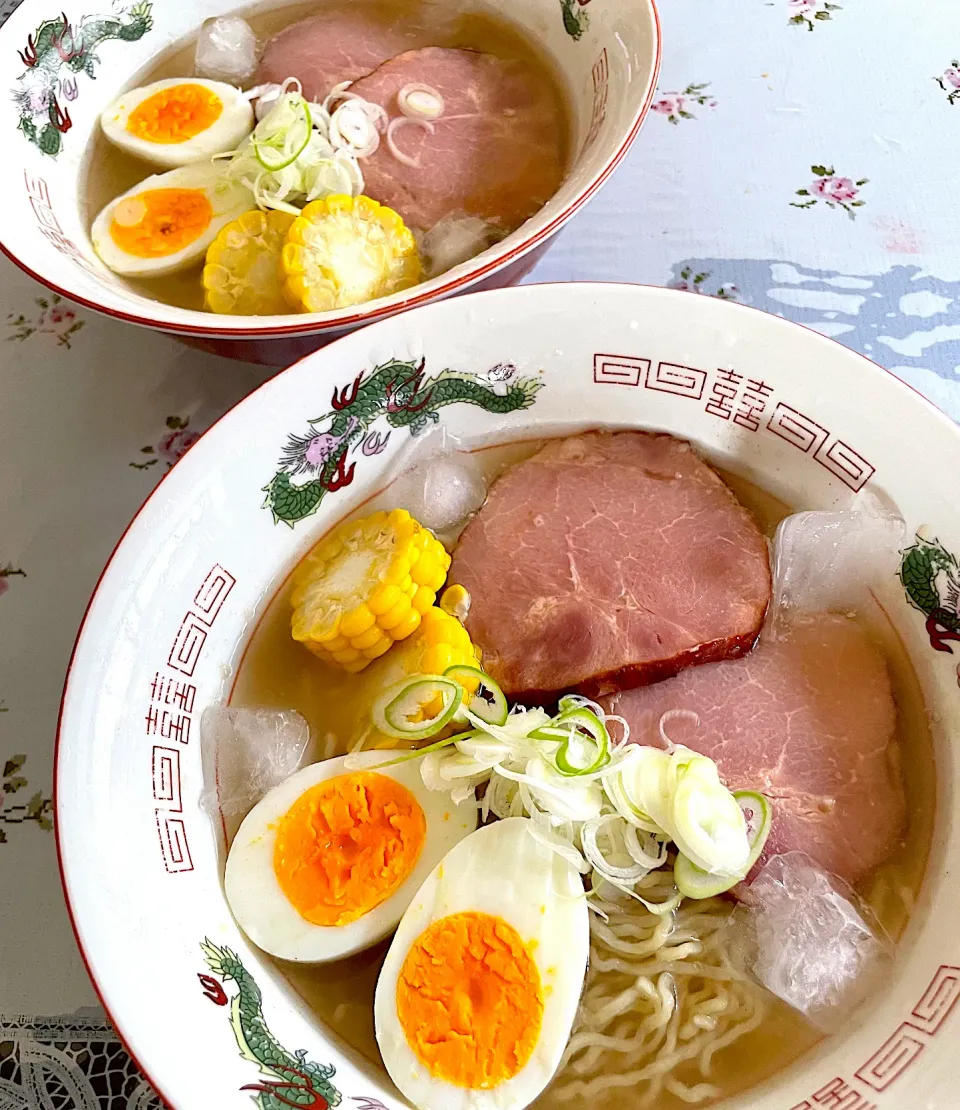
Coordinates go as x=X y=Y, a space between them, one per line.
x=169 y=715
x=898 y=1053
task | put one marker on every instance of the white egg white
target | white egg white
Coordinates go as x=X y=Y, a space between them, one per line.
x=228 y=199
x=227 y=131
x=263 y=911
x=503 y=871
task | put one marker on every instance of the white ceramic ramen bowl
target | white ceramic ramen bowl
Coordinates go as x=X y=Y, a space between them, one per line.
x=608 y=52
x=800 y=415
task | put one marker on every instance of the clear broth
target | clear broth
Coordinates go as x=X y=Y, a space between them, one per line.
x=108 y=171
x=276 y=672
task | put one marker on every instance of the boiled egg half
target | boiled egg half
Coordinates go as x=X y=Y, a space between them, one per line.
x=480 y=988
x=166 y=223
x=327 y=862
x=171 y=123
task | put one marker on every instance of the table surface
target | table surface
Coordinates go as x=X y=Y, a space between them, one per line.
x=802 y=157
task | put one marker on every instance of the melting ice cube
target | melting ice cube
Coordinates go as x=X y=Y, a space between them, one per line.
x=827 y=561
x=442 y=492
x=226 y=50
x=246 y=753
x=808 y=942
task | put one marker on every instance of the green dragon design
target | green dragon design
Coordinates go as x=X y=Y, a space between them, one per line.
x=397 y=392
x=575 y=19
x=54 y=55
x=292 y=1079
x=931 y=579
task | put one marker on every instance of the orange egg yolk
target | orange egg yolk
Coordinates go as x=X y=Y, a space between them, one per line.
x=469 y=1000
x=159 y=222
x=346 y=845
x=175 y=115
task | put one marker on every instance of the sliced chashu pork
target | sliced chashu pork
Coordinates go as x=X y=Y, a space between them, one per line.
x=807 y=720
x=496 y=152
x=610 y=560
x=327 y=49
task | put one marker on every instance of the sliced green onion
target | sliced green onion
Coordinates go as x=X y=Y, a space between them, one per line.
x=488 y=701
x=694 y=882
x=416 y=753
x=708 y=825
x=625 y=806
x=394 y=712
x=577 y=722
x=550 y=732
x=758 y=814
x=282 y=135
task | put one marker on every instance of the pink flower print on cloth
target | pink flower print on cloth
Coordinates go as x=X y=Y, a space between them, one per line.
x=170 y=447
x=840 y=189
x=676 y=105
x=176 y=445
x=55 y=317
x=833 y=190
x=808 y=13
x=691 y=282
x=949 y=81
x=670 y=105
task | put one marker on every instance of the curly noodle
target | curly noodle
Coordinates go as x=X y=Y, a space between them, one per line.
x=662 y=997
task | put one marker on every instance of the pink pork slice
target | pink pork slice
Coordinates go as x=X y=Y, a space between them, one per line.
x=496 y=153
x=326 y=50
x=610 y=560
x=808 y=721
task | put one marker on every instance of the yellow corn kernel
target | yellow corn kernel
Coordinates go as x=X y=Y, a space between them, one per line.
x=455 y=600
x=343 y=251
x=407 y=625
x=354 y=595
x=357 y=621
x=373 y=635
x=423 y=600
x=441 y=641
x=392 y=617
x=383 y=598
x=436 y=630
x=241 y=275
x=397 y=572
x=437 y=658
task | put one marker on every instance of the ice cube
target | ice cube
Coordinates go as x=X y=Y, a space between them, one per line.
x=246 y=753
x=827 y=561
x=226 y=50
x=806 y=938
x=442 y=492
x=456 y=239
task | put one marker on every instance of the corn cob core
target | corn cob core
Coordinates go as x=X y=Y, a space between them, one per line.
x=342 y=251
x=365 y=586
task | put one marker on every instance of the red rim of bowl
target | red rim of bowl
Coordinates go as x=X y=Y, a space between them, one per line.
x=391 y=310
x=100 y=992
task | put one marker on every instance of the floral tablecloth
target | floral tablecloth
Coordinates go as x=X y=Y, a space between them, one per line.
x=803 y=156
